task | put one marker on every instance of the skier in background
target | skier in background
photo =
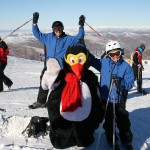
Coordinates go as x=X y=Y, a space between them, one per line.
x=4 y=51
x=117 y=78
x=138 y=67
x=56 y=44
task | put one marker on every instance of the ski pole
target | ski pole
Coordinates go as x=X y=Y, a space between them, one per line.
x=139 y=81
x=110 y=88
x=93 y=29
x=114 y=120
x=100 y=35
x=104 y=115
x=16 y=29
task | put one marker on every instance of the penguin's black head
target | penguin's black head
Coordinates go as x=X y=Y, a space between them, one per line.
x=76 y=60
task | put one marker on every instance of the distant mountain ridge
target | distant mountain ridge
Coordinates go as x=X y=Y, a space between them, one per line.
x=24 y=45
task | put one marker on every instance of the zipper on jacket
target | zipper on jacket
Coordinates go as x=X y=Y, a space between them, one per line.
x=55 y=47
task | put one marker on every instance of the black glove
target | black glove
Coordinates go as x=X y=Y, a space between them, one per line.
x=81 y=20
x=115 y=78
x=35 y=17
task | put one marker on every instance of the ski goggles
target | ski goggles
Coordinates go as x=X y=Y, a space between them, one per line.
x=57 y=29
x=115 y=53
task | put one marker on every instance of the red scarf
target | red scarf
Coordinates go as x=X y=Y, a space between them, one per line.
x=71 y=94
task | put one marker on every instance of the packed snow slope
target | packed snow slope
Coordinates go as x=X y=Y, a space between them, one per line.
x=26 y=77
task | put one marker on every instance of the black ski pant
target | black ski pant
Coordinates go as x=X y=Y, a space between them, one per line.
x=42 y=94
x=122 y=122
x=3 y=78
x=137 y=77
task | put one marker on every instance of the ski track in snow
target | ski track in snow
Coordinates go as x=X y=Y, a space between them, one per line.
x=26 y=77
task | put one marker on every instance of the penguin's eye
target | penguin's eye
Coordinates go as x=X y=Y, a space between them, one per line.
x=72 y=60
x=80 y=59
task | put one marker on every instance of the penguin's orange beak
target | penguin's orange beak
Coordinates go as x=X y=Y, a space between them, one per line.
x=78 y=70
x=76 y=63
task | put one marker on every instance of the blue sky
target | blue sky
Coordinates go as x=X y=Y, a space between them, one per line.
x=98 y=12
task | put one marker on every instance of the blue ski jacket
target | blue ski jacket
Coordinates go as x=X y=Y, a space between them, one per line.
x=108 y=68
x=56 y=47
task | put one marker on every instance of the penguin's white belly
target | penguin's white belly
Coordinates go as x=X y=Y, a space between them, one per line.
x=81 y=113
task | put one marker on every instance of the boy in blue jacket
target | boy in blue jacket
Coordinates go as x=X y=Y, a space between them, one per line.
x=56 y=44
x=117 y=78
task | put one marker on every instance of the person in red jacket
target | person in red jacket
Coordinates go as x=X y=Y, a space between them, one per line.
x=4 y=51
x=137 y=66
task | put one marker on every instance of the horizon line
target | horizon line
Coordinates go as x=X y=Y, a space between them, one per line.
x=101 y=27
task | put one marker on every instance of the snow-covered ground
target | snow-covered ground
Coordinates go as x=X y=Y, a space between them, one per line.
x=26 y=75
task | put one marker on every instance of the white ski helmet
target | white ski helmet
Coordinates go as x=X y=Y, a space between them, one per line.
x=113 y=45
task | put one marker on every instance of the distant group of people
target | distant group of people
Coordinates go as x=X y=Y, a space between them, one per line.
x=117 y=76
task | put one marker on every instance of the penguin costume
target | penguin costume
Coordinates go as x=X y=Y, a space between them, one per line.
x=74 y=106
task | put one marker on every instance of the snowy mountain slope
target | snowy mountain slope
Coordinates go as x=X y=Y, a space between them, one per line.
x=26 y=76
x=23 y=44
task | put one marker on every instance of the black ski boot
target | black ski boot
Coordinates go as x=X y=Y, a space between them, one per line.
x=9 y=86
x=129 y=146
x=37 y=105
x=143 y=92
x=3 y=110
x=116 y=146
